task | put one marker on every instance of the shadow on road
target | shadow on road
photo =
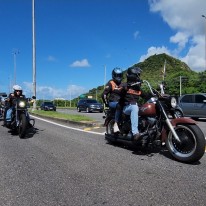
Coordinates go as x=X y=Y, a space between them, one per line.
x=149 y=152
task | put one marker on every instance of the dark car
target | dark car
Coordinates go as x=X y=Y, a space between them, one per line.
x=48 y=106
x=193 y=105
x=89 y=105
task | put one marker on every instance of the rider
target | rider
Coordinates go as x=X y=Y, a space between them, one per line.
x=131 y=94
x=17 y=93
x=112 y=93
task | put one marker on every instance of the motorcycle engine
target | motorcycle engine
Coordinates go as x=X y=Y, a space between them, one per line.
x=126 y=126
x=145 y=123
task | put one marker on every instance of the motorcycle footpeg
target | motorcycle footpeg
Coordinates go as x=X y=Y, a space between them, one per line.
x=13 y=124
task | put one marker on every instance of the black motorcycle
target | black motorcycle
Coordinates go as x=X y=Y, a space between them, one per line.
x=159 y=125
x=2 y=104
x=20 y=119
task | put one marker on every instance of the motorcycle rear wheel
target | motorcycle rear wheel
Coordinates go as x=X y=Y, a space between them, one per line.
x=109 y=132
x=110 y=127
x=23 y=123
x=192 y=145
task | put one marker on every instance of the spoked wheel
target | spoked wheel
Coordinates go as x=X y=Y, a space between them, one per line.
x=110 y=127
x=22 y=126
x=110 y=131
x=192 y=145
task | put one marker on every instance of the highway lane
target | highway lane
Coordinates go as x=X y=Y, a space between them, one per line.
x=60 y=166
x=94 y=115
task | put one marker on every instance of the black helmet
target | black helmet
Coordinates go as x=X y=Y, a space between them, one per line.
x=133 y=74
x=117 y=75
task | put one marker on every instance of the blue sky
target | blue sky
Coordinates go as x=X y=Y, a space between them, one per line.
x=78 y=40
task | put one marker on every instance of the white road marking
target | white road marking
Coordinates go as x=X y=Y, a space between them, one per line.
x=77 y=129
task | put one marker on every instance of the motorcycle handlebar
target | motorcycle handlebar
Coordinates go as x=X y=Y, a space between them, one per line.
x=150 y=88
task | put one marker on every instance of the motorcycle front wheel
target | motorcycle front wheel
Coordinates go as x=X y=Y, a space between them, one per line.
x=22 y=125
x=192 y=145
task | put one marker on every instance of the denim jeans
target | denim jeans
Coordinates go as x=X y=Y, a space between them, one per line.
x=132 y=110
x=113 y=105
x=8 y=114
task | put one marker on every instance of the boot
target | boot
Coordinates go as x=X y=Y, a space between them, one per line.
x=116 y=128
x=136 y=137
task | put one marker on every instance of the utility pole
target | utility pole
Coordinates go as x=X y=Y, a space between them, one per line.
x=162 y=85
x=182 y=79
x=70 y=93
x=180 y=86
x=205 y=39
x=34 y=52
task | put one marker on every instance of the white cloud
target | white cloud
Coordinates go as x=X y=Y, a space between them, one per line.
x=74 y=91
x=80 y=63
x=180 y=38
x=136 y=33
x=108 y=56
x=51 y=58
x=193 y=57
x=154 y=50
x=184 y=17
x=50 y=93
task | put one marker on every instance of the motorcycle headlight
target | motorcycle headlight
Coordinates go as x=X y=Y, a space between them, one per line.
x=173 y=102
x=22 y=104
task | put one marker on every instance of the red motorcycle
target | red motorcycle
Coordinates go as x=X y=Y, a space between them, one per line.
x=159 y=124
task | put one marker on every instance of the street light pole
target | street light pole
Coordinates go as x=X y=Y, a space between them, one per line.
x=15 y=52
x=34 y=52
x=205 y=39
x=105 y=73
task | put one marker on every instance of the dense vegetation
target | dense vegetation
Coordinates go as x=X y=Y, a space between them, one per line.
x=177 y=73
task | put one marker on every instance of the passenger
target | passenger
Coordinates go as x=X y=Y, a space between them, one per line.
x=112 y=94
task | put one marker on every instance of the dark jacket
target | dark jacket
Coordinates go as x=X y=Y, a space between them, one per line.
x=131 y=92
x=12 y=97
x=112 y=92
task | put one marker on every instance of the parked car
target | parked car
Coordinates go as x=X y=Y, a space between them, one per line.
x=48 y=106
x=89 y=105
x=193 y=105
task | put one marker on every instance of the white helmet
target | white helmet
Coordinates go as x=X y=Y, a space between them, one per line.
x=17 y=87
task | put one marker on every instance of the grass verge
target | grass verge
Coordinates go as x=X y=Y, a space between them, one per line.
x=70 y=117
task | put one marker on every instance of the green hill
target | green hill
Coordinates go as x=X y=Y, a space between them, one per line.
x=176 y=72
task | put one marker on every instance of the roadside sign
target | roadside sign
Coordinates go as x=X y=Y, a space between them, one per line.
x=82 y=96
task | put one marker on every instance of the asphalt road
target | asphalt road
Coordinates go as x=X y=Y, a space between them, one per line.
x=60 y=166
